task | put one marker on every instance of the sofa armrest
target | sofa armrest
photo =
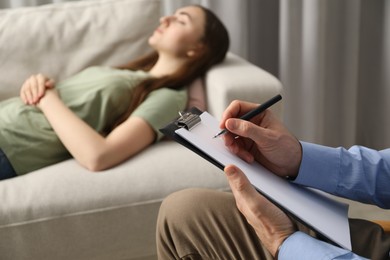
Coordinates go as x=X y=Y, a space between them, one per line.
x=236 y=78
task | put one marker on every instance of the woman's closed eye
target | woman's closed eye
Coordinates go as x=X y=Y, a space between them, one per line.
x=180 y=20
x=182 y=17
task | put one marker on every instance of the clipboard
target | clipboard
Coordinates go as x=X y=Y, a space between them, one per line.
x=195 y=129
x=180 y=122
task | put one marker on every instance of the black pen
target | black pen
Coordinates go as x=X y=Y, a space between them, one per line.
x=248 y=116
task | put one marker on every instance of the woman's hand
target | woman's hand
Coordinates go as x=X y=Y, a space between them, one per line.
x=34 y=88
x=264 y=139
x=44 y=103
x=271 y=224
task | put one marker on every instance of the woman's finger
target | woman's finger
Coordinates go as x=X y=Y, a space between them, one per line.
x=41 y=87
x=26 y=90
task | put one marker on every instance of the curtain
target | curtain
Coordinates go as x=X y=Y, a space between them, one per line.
x=334 y=64
x=332 y=57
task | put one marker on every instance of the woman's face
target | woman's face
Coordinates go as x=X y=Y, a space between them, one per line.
x=180 y=34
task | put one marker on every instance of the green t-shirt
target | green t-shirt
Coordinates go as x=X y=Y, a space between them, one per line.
x=98 y=95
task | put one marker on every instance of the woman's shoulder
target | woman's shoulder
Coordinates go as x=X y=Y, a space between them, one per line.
x=107 y=71
x=166 y=96
x=170 y=92
x=114 y=70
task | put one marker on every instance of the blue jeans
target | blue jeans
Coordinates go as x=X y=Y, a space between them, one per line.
x=6 y=169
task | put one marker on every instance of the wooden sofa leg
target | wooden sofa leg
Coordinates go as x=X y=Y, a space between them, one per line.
x=384 y=223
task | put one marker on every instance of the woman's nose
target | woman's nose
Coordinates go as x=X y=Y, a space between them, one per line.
x=166 y=19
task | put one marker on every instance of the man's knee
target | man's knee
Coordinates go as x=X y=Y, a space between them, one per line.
x=184 y=203
x=195 y=203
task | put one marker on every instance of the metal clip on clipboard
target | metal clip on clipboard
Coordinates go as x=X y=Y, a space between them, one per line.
x=188 y=120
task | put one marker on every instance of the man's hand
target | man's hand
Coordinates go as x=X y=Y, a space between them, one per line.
x=272 y=225
x=264 y=139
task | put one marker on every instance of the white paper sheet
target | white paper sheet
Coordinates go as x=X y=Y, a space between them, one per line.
x=325 y=215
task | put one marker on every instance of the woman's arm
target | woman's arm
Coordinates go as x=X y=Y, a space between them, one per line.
x=88 y=147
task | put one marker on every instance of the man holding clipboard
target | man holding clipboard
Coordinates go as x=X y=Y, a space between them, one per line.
x=205 y=224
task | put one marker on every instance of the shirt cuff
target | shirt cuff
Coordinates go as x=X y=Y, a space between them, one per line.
x=320 y=167
x=302 y=246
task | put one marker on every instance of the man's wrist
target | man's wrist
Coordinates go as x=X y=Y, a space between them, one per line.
x=278 y=248
x=277 y=251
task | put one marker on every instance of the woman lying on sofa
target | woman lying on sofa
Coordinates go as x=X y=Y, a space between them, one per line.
x=102 y=116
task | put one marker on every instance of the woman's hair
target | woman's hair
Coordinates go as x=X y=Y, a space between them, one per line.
x=216 y=44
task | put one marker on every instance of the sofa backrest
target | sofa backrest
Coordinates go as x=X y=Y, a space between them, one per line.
x=59 y=40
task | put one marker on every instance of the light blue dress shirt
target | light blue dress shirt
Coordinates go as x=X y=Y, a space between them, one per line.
x=359 y=173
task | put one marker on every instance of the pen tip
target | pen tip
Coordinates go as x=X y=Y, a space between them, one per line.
x=220 y=133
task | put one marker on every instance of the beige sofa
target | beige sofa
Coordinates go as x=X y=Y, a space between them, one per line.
x=64 y=211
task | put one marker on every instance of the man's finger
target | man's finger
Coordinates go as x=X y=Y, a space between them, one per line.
x=239 y=183
x=245 y=129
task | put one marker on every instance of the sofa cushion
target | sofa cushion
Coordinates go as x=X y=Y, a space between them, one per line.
x=96 y=32
x=109 y=215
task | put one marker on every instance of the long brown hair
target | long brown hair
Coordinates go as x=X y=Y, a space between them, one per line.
x=216 y=44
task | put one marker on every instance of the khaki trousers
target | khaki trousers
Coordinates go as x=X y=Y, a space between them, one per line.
x=205 y=224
